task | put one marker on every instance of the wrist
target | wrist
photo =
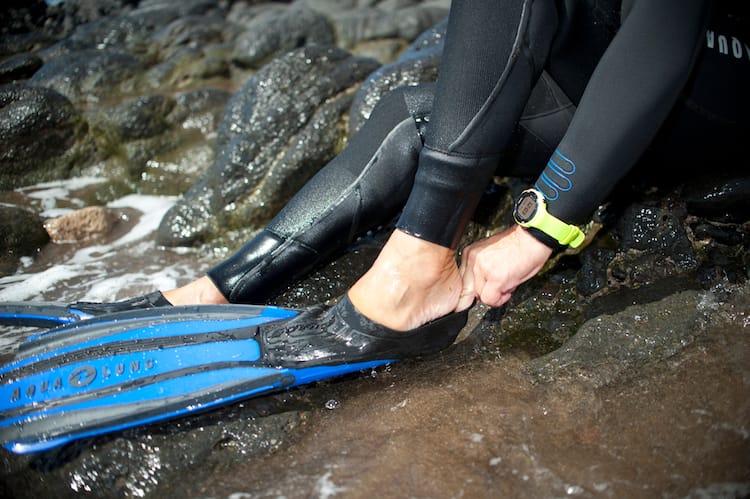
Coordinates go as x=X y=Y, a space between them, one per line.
x=530 y=212
x=531 y=244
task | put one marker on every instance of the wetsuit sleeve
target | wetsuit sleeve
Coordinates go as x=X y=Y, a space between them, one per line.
x=494 y=53
x=628 y=98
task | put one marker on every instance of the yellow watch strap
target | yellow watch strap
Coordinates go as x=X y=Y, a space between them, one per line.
x=563 y=233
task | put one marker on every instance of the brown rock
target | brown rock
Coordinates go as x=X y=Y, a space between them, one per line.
x=87 y=223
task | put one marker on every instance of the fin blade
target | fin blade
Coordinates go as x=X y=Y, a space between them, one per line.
x=52 y=430
x=98 y=377
x=39 y=314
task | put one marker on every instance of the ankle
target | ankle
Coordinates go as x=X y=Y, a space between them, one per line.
x=411 y=282
x=199 y=292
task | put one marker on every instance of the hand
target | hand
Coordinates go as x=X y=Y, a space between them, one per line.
x=492 y=268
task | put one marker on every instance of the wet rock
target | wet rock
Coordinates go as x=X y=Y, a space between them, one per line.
x=244 y=14
x=606 y=347
x=130 y=31
x=191 y=49
x=418 y=64
x=189 y=65
x=130 y=134
x=136 y=119
x=88 y=75
x=200 y=108
x=195 y=31
x=657 y=231
x=23 y=235
x=38 y=129
x=20 y=16
x=727 y=234
x=723 y=264
x=92 y=222
x=593 y=274
x=20 y=67
x=137 y=463
x=20 y=43
x=64 y=17
x=277 y=31
x=720 y=199
x=394 y=20
x=275 y=134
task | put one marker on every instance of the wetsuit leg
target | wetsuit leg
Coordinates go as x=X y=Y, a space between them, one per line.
x=541 y=127
x=494 y=53
x=363 y=187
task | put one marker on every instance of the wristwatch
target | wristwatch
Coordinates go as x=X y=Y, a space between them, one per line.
x=531 y=212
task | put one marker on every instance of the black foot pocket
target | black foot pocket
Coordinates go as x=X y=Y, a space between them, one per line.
x=151 y=300
x=342 y=335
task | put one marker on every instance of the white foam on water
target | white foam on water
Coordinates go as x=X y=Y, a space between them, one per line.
x=153 y=208
x=35 y=284
x=9 y=342
x=99 y=262
x=108 y=289
x=48 y=193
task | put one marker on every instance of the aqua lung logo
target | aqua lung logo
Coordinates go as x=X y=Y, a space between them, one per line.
x=727 y=45
x=81 y=377
x=287 y=380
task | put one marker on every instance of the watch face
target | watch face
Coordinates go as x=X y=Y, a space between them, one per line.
x=526 y=207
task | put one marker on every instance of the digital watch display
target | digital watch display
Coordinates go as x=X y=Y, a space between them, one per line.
x=530 y=211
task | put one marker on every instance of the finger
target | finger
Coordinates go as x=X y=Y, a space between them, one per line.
x=493 y=295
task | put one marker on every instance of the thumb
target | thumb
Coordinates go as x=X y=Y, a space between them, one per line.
x=468 y=294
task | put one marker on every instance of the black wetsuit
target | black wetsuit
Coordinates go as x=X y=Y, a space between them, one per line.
x=522 y=84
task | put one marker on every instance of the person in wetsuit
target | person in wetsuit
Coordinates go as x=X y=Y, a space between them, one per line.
x=572 y=93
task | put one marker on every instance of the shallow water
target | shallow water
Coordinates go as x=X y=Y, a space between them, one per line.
x=123 y=264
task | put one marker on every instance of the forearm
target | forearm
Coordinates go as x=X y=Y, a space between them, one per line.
x=626 y=101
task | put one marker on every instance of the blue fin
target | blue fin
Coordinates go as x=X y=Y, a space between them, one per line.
x=51 y=314
x=132 y=368
x=39 y=314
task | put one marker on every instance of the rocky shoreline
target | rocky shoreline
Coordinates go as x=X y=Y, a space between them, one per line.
x=656 y=302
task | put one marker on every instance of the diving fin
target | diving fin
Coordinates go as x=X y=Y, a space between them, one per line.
x=126 y=369
x=39 y=314
x=51 y=314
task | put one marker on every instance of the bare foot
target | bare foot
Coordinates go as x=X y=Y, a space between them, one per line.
x=199 y=292
x=411 y=283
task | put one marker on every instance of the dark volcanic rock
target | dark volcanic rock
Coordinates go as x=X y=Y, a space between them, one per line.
x=193 y=107
x=394 y=20
x=721 y=198
x=38 y=126
x=130 y=30
x=88 y=75
x=23 y=234
x=275 y=134
x=657 y=231
x=137 y=119
x=137 y=462
x=419 y=64
x=606 y=347
x=277 y=31
x=20 y=67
